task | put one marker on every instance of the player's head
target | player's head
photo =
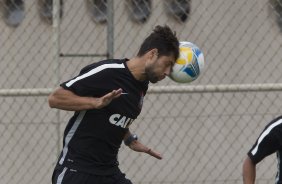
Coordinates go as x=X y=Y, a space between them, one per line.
x=161 y=49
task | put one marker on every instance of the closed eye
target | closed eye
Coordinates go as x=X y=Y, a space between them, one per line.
x=171 y=65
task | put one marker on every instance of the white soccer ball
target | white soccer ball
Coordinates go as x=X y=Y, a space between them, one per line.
x=189 y=64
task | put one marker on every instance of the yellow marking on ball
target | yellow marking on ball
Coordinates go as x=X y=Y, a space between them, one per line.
x=181 y=61
x=186 y=52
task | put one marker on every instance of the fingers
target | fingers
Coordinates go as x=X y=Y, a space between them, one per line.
x=154 y=154
x=117 y=92
x=106 y=99
x=139 y=147
x=113 y=94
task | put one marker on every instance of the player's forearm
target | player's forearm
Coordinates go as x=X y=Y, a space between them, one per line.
x=83 y=103
x=66 y=100
x=249 y=171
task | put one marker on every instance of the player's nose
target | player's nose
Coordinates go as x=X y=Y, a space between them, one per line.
x=168 y=71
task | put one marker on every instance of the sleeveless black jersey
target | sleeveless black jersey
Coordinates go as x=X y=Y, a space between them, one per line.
x=269 y=142
x=93 y=137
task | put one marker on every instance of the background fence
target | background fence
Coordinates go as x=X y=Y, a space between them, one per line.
x=204 y=134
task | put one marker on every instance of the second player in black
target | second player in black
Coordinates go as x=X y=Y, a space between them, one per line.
x=268 y=142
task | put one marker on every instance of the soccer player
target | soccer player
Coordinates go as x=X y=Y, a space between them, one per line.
x=107 y=96
x=269 y=142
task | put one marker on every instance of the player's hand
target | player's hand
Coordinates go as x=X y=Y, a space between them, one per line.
x=106 y=99
x=139 y=147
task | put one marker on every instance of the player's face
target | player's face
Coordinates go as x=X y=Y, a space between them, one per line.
x=159 y=67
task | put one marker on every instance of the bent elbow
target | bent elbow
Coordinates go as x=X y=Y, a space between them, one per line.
x=52 y=101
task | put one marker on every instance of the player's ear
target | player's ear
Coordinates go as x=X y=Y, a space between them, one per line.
x=152 y=53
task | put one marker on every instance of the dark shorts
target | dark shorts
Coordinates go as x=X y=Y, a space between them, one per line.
x=64 y=175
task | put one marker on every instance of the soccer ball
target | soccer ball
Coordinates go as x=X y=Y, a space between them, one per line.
x=189 y=64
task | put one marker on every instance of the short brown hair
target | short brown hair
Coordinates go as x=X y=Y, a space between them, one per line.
x=163 y=39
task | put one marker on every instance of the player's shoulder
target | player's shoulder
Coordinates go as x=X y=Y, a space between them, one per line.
x=110 y=61
x=105 y=64
x=275 y=123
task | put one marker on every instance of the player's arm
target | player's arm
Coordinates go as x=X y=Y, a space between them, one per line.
x=67 y=100
x=133 y=143
x=249 y=171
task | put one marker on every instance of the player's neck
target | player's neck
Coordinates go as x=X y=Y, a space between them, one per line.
x=137 y=67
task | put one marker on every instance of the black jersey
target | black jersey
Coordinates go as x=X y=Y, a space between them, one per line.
x=269 y=141
x=92 y=138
